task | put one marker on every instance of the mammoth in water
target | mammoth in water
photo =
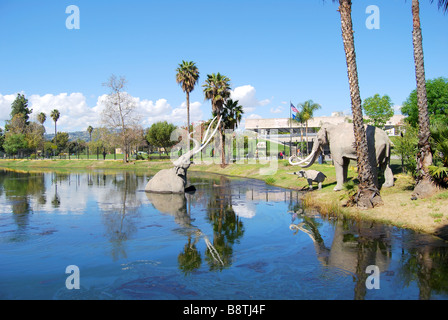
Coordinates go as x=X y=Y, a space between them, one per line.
x=341 y=140
x=174 y=180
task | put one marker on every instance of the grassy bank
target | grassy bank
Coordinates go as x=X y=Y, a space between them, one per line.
x=425 y=215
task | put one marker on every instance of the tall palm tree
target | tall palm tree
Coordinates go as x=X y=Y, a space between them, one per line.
x=187 y=76
x=55 y=116
x=217 y=90
x=368 y=193
x=307 y=113
x=424 y=183
x=42 y=117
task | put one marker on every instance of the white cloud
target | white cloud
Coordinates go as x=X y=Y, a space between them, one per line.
x=254 y=116
x=397 y=109
x=279 y=109
x=5 y=107
x=246 y=95
x=77 y=115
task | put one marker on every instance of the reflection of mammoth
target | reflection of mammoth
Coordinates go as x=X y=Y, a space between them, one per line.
x=176 y=205
x=342 y=147
x=173 y=204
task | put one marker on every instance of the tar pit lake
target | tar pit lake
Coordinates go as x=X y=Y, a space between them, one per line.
x=231 y=239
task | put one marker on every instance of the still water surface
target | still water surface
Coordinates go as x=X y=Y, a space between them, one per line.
x=231 y=239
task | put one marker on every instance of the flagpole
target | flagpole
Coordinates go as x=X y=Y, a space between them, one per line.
x=290 y=128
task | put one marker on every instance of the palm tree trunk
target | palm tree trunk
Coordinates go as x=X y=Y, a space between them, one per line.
x=188 y=114
x=424 y=184
x=306 y=139
x=223 y=155
x=368 y=194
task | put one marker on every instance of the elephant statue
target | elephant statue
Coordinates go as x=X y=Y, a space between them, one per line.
x=341 y=140
x=174 y=180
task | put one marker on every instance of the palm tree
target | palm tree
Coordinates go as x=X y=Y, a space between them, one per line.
x=233 y=113
x=368 y=193
x=90 y=130
x=187 y=76
x=42 y=117
x=307 y=113
x=217 y=89
x=55 y=116
x=424 y=183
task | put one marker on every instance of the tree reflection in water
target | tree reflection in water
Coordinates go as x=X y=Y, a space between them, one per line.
x=227 y=227
x=356 y=245
x=19 y=188
x=120 y=211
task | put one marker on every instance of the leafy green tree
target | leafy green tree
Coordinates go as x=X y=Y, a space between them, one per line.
x=187 y=77
x=437 y=93
x=17 y=124
x=406 y=147
x=378 y=109
x=14 y=142
x=2 y=139
x=50 y=147
x=439 y=145
x=35 y=136
x=61 y=141
x=159 y=135
x=20 y=106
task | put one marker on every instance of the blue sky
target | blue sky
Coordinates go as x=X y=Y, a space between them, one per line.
x=273 y=51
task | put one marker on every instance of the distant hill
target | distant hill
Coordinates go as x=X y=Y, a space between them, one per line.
x=73 y=136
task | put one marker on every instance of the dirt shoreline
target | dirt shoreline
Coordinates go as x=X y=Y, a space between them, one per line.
x=423 y=215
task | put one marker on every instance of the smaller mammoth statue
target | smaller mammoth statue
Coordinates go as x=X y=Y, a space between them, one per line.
x=312 y=176
x=174 y=180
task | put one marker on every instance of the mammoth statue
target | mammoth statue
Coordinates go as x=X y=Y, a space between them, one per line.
x=174 y=180
x=341 y=140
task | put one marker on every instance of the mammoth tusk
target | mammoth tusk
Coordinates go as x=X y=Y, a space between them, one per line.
x=197 y=146
x=208 y=129
x=302 y=160
x=211 y=136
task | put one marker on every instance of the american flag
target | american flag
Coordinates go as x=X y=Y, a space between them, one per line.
x=294 y=108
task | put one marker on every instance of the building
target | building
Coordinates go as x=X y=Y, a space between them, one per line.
x=291 y=132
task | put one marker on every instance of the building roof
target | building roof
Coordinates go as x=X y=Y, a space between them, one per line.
x=316 y=122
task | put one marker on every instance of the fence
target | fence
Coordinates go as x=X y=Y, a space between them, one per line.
x=86 y=154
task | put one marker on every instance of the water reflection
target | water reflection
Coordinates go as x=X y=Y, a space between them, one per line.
x=357 y=245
